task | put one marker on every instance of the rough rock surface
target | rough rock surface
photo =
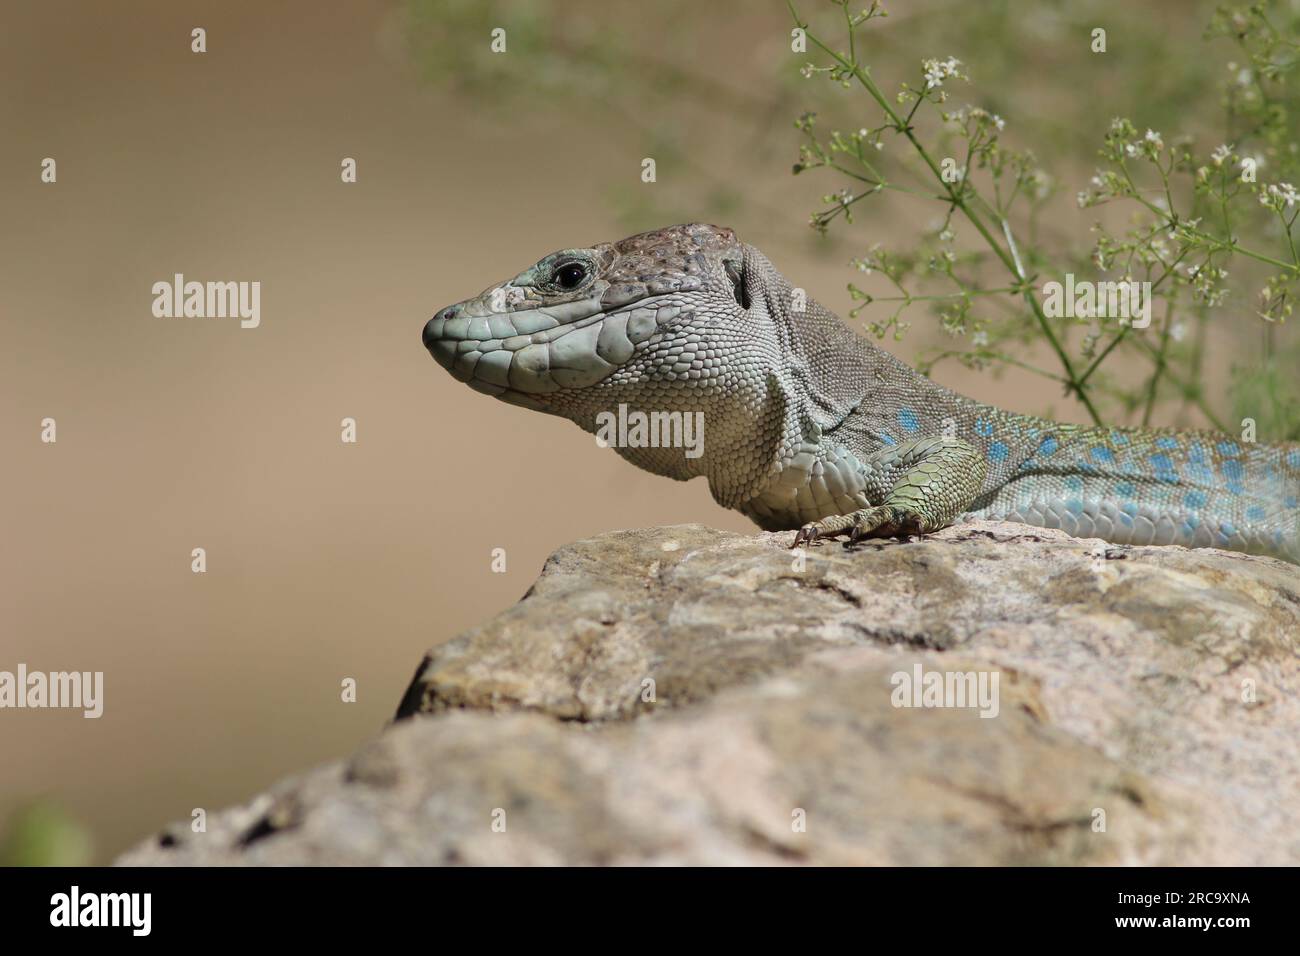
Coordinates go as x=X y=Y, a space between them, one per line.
x=1152 y=690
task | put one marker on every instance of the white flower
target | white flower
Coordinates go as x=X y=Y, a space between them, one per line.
x=1178 y=331
x=1277 y=194
x=1154 y=139
x=1221 y=153
x=980 y=339
x=936 y=71
x=999 y=122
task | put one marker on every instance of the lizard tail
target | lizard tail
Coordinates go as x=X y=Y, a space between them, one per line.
x=1138 y=486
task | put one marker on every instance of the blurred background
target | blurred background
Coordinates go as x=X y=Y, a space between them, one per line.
x=327 y=560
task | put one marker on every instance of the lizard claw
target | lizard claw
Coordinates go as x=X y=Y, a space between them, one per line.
x=867 y=525
x=808 y=534
x=858 y=533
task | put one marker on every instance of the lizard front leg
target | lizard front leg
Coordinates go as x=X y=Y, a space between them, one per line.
x=926 y=483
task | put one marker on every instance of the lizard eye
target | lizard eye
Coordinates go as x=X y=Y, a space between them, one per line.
x=569 y=275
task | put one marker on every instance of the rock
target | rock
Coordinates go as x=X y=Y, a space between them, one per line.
x=685 y=695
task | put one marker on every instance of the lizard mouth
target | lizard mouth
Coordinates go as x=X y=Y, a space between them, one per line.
x=524 y=355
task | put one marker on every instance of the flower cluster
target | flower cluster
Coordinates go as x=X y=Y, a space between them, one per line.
x=1197 y=214
x=936 y=71
x=1278 y=196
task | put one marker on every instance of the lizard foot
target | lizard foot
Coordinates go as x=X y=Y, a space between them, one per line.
x=884 y=521
x=807 y=535
x=814 y=531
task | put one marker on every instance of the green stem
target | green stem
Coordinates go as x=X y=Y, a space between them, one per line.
x=1162 y=362
x=1073 y=385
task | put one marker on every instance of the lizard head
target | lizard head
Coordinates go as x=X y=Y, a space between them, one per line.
x=584 y=329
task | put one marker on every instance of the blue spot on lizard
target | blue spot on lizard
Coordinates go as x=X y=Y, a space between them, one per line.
x=1164 y=468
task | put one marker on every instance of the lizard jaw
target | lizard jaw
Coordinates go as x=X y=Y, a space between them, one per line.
x=524 y=355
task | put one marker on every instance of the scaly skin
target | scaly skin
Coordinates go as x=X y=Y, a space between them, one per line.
x=809 y=426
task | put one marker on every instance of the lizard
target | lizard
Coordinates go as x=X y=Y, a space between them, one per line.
x=811 y=427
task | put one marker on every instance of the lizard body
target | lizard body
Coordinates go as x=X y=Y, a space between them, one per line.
x=809 y=426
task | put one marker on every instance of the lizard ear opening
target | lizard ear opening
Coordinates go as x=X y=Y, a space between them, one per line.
x=736 y=273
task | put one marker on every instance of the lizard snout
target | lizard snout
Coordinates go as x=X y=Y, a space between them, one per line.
x=433 y=328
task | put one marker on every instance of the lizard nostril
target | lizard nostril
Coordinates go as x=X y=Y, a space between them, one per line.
x=433 y=328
